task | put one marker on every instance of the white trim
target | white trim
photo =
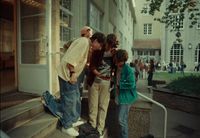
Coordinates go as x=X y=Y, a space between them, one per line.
x=34 y=15
x=160 y=105
x=49 y=4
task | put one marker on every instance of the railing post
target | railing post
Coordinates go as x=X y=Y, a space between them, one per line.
x=162 y=106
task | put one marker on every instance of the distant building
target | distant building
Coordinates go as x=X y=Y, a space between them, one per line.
x=147 y=31
x=188 y=50
x=148 y=35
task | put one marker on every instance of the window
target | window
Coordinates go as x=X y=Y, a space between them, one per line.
x=198 y=25
x=65 y=21
x=147 y=29
x=146 y=9
x=152 y=53
x=176 y=53
x=140 y=52
x=197 y=54
x=145 y=52
x=95 y=18
x=177 y=22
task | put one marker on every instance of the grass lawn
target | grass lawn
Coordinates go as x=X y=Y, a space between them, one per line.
x=168 y=77
x=188 y=84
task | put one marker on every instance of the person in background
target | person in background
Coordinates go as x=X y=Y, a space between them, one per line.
x=182 y=67
x=150 y=72
x=125 y=90
x=72 y=64
x=98 y=79
x=136 y=68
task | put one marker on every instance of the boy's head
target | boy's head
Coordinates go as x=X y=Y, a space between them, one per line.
x=112 y=40
x=98 y=41
x=120 y=57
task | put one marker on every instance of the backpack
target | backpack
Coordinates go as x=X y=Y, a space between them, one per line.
x=87 y=131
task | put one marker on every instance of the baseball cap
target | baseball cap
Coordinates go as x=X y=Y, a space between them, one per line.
x=84 y=30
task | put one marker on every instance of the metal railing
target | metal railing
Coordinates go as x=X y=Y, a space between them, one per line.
x=160 y=105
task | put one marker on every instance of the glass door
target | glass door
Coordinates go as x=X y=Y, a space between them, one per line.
x=34 y=45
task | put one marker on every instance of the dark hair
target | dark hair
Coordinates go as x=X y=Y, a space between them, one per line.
x=121 y=55
x=111 y=38
x=131 y=64
x=100 y=37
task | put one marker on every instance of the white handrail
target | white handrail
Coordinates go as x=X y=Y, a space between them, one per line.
x=162 y=106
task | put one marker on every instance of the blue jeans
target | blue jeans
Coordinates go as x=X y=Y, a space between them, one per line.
x=123 y=110
x=70 y=103
x=68 y=110
x=150 y=77
x=81 y=81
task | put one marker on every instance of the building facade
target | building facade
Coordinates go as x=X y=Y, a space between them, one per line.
x=33 y=33
x=148 y=34
x=153 y=40
x=188 y=49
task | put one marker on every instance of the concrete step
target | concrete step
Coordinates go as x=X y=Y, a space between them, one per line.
x=58 y=134
x=39 y=127
x=17 y=115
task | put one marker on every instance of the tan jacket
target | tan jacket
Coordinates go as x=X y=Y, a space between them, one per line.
x=76 y=55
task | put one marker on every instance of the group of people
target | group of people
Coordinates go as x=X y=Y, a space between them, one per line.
x=172 y=67
x=106 y=65
x=144 y=69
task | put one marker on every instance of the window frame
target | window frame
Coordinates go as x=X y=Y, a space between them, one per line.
x=174 y=25
x=176 y=53
x=97 y=20
x=147 y=28
x=65 y=26
x=197 y=50
x=198 y=25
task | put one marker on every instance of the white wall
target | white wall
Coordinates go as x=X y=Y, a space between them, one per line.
x=188 y=35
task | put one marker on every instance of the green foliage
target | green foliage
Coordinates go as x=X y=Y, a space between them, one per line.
x=178 y=7
x=186 y=85
x=175 y=13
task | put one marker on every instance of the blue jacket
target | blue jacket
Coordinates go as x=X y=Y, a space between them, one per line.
x=127 y=86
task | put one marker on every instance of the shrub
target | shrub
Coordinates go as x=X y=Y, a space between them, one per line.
x=186 y=85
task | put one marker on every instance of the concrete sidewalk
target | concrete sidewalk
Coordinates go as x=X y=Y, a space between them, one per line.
x=179 y=124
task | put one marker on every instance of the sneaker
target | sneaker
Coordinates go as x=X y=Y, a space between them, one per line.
x=70 y=131
x=78 y=123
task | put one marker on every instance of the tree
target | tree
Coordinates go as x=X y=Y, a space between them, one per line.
x=178 y=8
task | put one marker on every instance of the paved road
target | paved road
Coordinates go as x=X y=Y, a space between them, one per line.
x=179 y=124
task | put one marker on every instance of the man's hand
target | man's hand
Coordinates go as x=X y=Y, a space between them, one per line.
x=73 y=78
